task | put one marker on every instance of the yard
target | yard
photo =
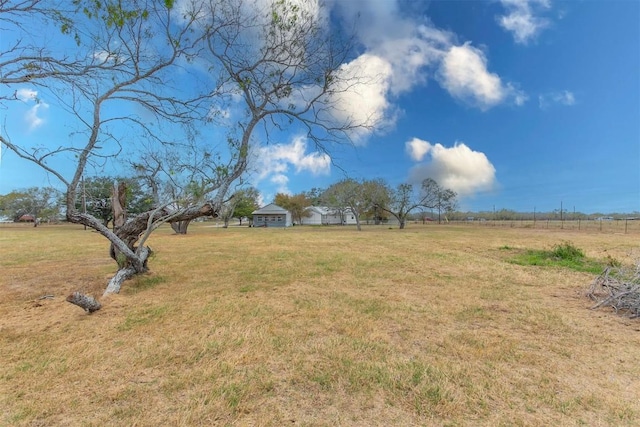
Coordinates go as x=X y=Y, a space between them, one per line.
x=314 y=326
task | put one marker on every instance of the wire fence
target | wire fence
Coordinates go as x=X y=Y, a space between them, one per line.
x=622 y=226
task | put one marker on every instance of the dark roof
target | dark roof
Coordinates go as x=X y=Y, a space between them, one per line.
x=270 y=209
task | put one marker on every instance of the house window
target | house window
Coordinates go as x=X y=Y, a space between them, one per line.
x=259 y=219
x=273 y=218
x=279 y=219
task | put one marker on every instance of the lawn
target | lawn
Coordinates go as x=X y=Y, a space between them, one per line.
x=315 y=326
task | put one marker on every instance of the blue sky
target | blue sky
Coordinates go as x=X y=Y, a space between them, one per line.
x=513 y=104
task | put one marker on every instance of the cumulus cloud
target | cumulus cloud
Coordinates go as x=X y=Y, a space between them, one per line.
x=281 y=181
x=417 y=149
x=26 y=95
x=458 y=168
x=522 y=18
x=32 y=117
x=400 y=51
x=563 y=97
x=415 y=51
x=463 y=73
x=362 y=97
x=273 y=162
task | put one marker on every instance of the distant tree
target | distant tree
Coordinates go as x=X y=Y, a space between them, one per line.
x=401 y=202
x=345 y=196
x=98 y=192
x=436 y=197
x=377 y=193
x=296 y=204
x=247 y=202
x=38 y=202
x=240 y=205
x=506 y=215
x=314 y=196
x=357 y=197
x=404 y=199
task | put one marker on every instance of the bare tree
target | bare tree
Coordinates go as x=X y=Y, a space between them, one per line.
x=436 y=197
x=405 y=199
x=401 y=203
x=123 y=81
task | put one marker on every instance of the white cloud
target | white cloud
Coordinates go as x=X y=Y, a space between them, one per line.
x=281 y=181
x=417 y=149
x=416 y=50
x=458 y=168
x=563 y=97
x=31 y=117
x=400 y=51
x=26 y=95
x=463 y=73
x=362 y=98
x=522 y=18
x=274 y=161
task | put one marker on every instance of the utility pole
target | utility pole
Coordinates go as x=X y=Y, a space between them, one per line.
x=561 y=211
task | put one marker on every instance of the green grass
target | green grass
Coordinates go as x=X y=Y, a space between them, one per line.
x=564 y=255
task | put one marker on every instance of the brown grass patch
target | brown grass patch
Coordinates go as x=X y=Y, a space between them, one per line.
x=313 y=326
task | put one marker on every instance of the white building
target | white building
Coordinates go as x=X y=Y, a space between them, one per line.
x=323 y=215
x=272 y=216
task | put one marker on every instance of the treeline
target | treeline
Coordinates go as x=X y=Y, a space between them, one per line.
x=373 y=201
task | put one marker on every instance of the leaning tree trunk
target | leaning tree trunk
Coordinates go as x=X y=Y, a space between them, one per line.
x=402 y=223
x=118 y=203
x=180 y=227
x=127 y=272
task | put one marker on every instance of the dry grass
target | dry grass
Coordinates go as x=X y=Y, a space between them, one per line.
x=316 y=327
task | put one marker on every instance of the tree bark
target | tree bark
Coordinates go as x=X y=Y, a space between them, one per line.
x=120 y=277
x=180 y=227
x=86 y=302
x=127 y=272
x=118 y=201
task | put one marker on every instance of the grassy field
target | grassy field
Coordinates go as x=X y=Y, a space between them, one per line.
x=428 y=326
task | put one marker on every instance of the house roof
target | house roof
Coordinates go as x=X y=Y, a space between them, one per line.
x=27 y=217
x=270 y=209
x=322 y=210
x=325 y=210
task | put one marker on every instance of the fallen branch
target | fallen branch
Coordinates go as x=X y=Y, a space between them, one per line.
x=88 y=303
x=618 y=288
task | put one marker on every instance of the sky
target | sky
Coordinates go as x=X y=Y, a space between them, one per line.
x=514 y=104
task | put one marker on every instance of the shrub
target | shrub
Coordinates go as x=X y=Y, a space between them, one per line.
x=567 y=251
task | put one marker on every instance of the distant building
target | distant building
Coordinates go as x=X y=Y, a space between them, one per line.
x=322 y=215
x=27 y=218
x=271 y=216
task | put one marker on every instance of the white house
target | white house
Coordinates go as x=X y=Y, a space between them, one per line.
x=323 y=215
x=272 y=216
